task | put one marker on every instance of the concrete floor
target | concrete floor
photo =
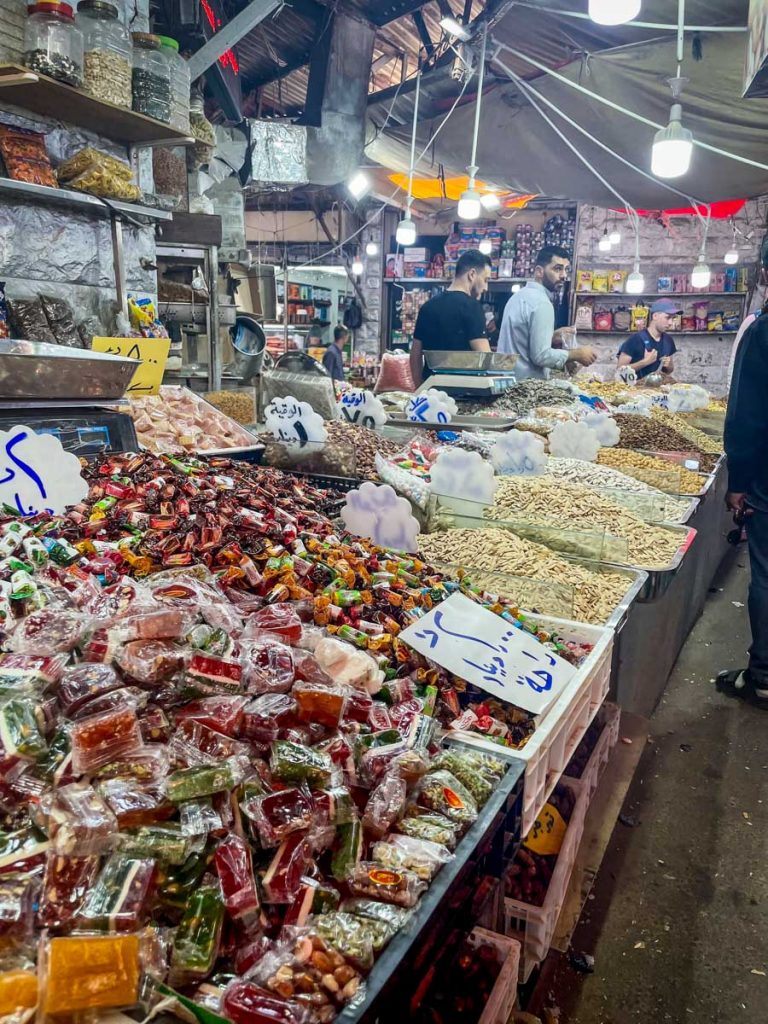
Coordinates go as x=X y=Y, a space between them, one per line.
x=678 y=919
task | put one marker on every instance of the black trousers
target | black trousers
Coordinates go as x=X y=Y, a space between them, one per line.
x=757 y=535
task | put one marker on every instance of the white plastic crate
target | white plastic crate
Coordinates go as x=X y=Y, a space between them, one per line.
x=560 y=730
x=503 y=997
x=535 y=926
x=610 y=716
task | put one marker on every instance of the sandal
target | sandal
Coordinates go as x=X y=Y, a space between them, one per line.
x=737 y=683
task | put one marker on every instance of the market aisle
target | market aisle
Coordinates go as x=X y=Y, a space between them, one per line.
x=679 y=919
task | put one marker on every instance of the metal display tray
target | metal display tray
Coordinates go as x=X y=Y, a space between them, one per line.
x=252 y=454
x=401 y=967
x=36 y=371
x=659 y=580
x=638 y=578
x=707 y=479
x=487 y=362
x=494 y=423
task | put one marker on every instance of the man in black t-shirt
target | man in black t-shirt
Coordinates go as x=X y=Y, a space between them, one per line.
x=454 y=321
x=652 y=350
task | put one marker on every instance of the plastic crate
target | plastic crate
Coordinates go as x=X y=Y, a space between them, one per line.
x=560 y=730
x=503 y=997
x=610 y=717
x=534 y=927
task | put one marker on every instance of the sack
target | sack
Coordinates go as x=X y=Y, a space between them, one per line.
x=353 y=316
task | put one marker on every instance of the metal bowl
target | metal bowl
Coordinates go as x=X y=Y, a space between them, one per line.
x=37 y=371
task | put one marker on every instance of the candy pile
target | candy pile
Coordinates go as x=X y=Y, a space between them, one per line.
x=177 y=421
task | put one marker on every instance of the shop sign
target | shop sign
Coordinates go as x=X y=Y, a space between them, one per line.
x=377 y=512
x=487 y=651
x=295 y=423
x=153 y=353
x=37 y=474
x=362 y=408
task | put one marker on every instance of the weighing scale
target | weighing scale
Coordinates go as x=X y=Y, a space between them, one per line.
x=74 y=394
x=472 y=376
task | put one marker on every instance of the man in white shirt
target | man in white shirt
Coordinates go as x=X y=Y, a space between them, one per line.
x=528 y=326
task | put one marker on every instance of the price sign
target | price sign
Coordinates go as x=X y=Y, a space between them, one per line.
x=37 y=474
x=548 y=832
x=153 y=353
x=490 y=653
x=376 y=511
x=295 y=423
x=362 y=408
x=519 y=453
x=431 y=406
x=463 y=475
x=574 y=441
x=605 y=428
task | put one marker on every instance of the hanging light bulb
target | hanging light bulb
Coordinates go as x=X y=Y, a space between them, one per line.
x=490 y=201
x=372 y=249
x=701 y=275
x=615 y=236
x=516 y=288
x=358 y=267
x=672 y=147
x=635 y=281
x=359 y=185
x=470 y=205
x=732 y=256
x=406 y=230
x=455 y=28
x=486 y=247
x=613 y=12
x=604 y=245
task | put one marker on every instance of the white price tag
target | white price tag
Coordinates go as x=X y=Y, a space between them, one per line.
x=294 y=423
x=431 y=406
x=573 y=441
x=362 y=408
x=604 y=427
x=519 y=453
x=37 y=474
x=489 y=652
x=377 y=512
x=463 y=475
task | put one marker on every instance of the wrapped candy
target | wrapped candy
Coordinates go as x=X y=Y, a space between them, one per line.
x=134 y=804
x=353 y=937
x=279 y=620
x=282 y=880
x=85 y=973
x=206 y=675
x=268 y=666
x=167 y=844
x=276 y=815
x=434 y=828
x=440 y=791
x=238 y=884
x=18 y=896
x=345 y=664
x=420 y=856
x=310 y=973
x=293 y=762
x=222 y=713
x=386 y=805
x=66 y=883
x=120 y=899
x=147 y=661
x=333 y=806
x=30 y=671
x=320 y=703
x=105 y=737
x=196 y=943
x=49 y=631
x=20 y=734
x=266 y=715
x=314 y=897
x=79 y=821
x=394 y=917
x=18 y=991
x=246 y=1003
x=82 y=682
x=478 y=773
x=348 y=850
x=190 y=783
x=400 y=887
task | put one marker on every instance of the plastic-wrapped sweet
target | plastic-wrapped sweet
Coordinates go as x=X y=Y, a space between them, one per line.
x=190 y=783
x=66 y=883
x=282 y=880
x=18 y=897
x=206 y=675
x=195 y=745
x=166 y=843
x=18 y=991
x=265 y=716
x=105 y=737
x=135 y=805
x=148 y=661
x=333 y=806
x=79 y=821
x=225 y=714
x=79 y=683
x=20 y=723
x=345 y=664
x=234 y=867
x=385 y=805
x=394 y=917
x=50 y=631
x=401 y=887
x=434 y=828
x=276 y=815
x=440 y=791
x=91 y=972
x=348 y=850
x=28 y=672
x=294 y=762
x=120 y=899
x=320 y=703
x=267 y=665
x=350 y=936
x=480 y=774
x=280 y=620
x=420 y=856
x=196 y=943
x=244 y=1002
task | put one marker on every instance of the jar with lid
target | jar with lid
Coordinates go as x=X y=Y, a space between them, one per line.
x=108 y=54
x=53 y=44
x=180 y=83
x=151 y=78
x=205 y=137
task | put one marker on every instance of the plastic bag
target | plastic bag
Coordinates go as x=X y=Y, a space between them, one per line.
x=25 y=157
x=317 y=390
x=61 y=320
x=395 y=373
x=422 y=857
x=87 y=158
x=28 y=320
x=100 y=175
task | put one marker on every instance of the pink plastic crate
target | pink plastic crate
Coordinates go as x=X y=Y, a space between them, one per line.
x=560 y=730
x=503 y=997
x=610 y=716
x=535 y=927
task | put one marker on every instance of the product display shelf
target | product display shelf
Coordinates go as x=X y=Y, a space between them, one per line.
x=447 y=280
x=534 y=927
x=561 y=728
x=675 y=334
x=447 y=904
x=81 y=201
x=662 y=295
x=49 y=98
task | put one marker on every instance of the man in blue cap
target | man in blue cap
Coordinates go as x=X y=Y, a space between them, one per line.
x=653 y=349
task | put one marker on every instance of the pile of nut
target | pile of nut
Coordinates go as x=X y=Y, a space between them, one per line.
x=317 y=977
x=576 y=507
x=652 y=470
x=365 y=443
x=591 y=474
x=521 y=399
x=238 y=405
x=107 y=76
x=596 y=594
x=650 y=433
x=703 y=442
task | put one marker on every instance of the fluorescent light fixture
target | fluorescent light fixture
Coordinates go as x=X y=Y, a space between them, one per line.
x=614 y=12
x=615 y=237
x=604 y=245
x=490 y=201
x=372 y=249
x=470 y=205
x=732 y=257
x=672 y=147
x=486 y=247
x=455 y=28
x=701 y=275
x=406 y=231
x=359 y=185
x=358 y=267
x=635 y=281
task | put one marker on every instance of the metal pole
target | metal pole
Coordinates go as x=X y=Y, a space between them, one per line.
x=413 y=137
x=479 y=105
x=231 y=33
x=118 y=262
x=214 y=364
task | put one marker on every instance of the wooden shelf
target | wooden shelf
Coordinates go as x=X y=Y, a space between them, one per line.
x=673 y=334
x=49 y=98
x=662 y=295
x=447 y=280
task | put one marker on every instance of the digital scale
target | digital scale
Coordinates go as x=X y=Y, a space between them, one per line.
x=74 y=394
x=470 y=376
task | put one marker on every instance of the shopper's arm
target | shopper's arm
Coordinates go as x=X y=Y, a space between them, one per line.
x=417 y=363
x=540 y=336
x=746 y=424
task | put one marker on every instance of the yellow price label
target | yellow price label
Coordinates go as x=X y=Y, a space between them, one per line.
x=548 y=832
x=153 y=353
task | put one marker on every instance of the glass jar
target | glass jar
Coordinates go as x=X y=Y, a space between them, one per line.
x=108 y=54
x=205 y=137
x=53 y=44
x=151 y=78
x=180 y=84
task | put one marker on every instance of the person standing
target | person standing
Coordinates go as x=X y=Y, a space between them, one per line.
x=333 y=359
x=653 y=349
x=746 y=432
x=528 y=325
x=454 y=321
